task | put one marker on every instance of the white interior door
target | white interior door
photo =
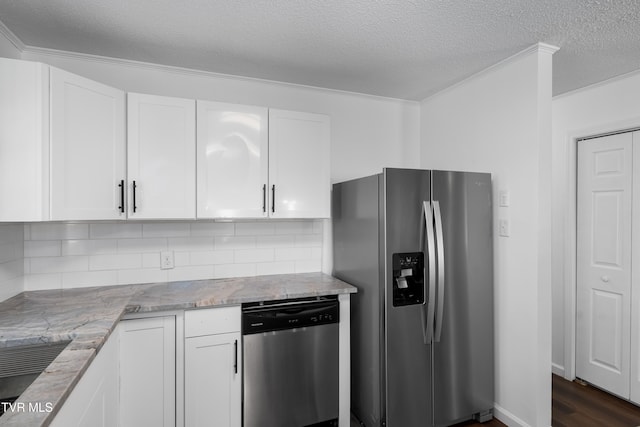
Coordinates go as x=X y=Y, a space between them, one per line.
x=635 y=277
x=603 y=300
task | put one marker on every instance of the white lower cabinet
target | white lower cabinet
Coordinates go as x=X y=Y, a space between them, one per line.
x=148 y=372
x=94 y=400
x=213 y=368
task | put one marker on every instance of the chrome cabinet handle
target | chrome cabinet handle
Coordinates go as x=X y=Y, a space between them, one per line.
x=430 y=266
x=440 y=266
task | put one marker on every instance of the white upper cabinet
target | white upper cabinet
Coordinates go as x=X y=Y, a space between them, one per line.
x=161 y=161
x=299 y=172
x=24 y=140
x=232 y=160
x=87 y=148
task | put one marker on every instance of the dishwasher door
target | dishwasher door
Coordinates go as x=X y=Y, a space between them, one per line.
x=291 y=377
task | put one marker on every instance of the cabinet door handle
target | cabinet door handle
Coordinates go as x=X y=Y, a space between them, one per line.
x=273 y=198
x=264 y=198
x=235 y=356
x=135 y=207
x=121 y=185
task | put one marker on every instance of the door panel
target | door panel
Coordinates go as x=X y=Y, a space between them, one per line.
x=464 y=356
x=603 y=301
x=408 y=359
x=232 y=160
x=87 y=148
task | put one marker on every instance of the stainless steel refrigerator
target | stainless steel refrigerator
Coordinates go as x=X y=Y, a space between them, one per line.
x=418 y=246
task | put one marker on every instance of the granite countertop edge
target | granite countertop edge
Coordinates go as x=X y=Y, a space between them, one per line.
x=86 y=317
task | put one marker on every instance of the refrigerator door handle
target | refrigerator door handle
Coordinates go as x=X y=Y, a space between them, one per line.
x=441 y=264
x=430 y=273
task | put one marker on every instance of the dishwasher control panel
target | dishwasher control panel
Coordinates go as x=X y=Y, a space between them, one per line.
x=289 y=314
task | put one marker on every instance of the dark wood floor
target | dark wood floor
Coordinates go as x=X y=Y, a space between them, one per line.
x=586 y=406
x=576 y=405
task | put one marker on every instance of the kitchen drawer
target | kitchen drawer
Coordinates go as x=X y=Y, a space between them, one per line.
x=210 y=321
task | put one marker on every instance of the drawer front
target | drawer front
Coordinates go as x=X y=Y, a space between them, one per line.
x=210 y=321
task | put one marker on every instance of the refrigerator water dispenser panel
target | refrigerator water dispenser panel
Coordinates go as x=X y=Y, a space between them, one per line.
x=408 y=278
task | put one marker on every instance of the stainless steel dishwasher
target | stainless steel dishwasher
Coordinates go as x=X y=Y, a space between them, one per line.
x=290 y=356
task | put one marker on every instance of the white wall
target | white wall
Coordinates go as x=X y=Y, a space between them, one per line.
x=7 y=48
x=609 y=106
x=500 y=122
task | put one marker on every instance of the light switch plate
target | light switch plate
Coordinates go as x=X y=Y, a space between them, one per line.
x=505 y=198
x=503 y=228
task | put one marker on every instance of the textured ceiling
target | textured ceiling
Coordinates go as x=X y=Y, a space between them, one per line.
x=407 y=49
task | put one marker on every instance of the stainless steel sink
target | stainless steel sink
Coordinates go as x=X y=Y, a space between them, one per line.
x=21 y=365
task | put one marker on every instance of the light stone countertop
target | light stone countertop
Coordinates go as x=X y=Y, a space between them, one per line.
x=87 y=316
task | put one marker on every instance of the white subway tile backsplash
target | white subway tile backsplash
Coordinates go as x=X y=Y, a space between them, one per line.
x=184 y=244
x=293 y=254
x=308 y=240
x=107 y=253
x=255 y=228
x=213 y=229
x=141 y=275
x=39 y=248
x=142 y=245
x=89 y=247
x=197 y=272
x=115 y=230
x=211 y=257
x=58 y=231
x=151 y=260
x=294 y=227
x=233 y=242
x=284 y=241
x=36 y=282
x=115 y=261
x=308 y=266
x=234 y=270
x=83 y=279
x=280 y=267
x=59 y=264
x=166 y=229
x=254 y=255
x=11 y=270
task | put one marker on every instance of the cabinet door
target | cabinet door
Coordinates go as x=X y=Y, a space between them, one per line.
x=213 y=381
x=299 y=173
x=161 y=159
x=148 y=372
x=94 y=400
x=232 y=160
x=87 y=148
x=24 y=141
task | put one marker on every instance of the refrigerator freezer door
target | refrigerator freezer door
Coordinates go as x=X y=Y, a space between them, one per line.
x=408 y=359
x=463 y=357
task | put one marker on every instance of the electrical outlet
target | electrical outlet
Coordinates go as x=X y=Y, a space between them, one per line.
x=166 y=260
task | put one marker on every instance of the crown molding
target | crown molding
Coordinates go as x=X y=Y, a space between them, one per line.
x=536 y=48
x=9 y=35
x=40 y=51
x=596 y=85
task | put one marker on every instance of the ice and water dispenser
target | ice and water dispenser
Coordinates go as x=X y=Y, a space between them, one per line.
x=408 y=278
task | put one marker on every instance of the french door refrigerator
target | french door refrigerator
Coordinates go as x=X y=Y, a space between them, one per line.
x=418 y=246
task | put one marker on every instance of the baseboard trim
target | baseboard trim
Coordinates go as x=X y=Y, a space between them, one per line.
x=557 y=369
x=507 y=417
